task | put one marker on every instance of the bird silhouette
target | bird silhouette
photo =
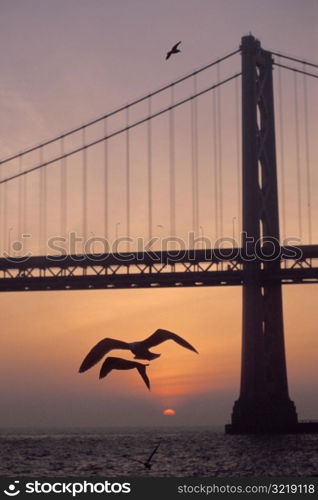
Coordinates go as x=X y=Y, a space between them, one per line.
x=139 y=349
x=147 y=464
x=112 y=363
x=174 y=50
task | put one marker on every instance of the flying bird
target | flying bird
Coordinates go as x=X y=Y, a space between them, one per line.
x=147 y=464
x=112 y=363
x=174 y=50
x=139 y=349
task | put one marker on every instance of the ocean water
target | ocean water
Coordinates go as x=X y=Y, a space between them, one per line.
x=183 y=452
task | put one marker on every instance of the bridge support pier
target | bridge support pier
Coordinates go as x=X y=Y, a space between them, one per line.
x=264 y=404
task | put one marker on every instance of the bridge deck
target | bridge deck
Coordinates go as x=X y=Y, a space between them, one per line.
x=190 y=268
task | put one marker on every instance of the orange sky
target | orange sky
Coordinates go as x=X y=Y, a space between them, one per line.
x=45 y=341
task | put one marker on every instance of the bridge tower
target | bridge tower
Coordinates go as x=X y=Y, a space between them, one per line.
x=264 y=404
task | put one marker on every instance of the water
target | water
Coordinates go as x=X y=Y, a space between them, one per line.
x=183 y=452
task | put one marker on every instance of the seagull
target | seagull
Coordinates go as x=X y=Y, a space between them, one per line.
x=139 y=349
x=112 y=363
x=174 y=50
x=147 y=464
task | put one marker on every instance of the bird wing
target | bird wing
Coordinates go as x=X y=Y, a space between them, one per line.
x=99 y=351
x=142 y=370
x=168 y=55
x=153 y=452
x=176 y=46
x=108 y=365
x=112 y=363
x=162 y=335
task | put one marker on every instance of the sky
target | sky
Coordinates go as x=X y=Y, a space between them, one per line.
x=67 y=62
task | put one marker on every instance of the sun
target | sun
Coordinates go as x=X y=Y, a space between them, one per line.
x=169 y=411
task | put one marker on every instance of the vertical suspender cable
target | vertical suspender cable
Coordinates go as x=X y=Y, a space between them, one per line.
x=20 y=201
x=215 y=169
x=1 y=217
x=149 y=141
x=307 y=160
x=192 y=167
x=24 y=212
x=298 y=156
x=194 y=133
x=84 y=167
x=63 y=192
x=172 y=168
x=4 y=216
x=45 y=209
x=219 y=121
x=106 y=190
x=196 y=162
x=282 y=150
x=42 y=203
x=238 y=158
x=127 y=179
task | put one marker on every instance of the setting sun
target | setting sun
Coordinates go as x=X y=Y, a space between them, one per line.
x=169 y=411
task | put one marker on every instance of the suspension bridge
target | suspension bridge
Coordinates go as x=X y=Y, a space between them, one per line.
x=181 y=187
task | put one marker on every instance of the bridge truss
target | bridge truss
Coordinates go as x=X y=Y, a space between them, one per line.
x=188 y=268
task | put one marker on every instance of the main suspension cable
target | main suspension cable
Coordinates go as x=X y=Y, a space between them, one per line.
x=295 y=70
x=302 y=61
x=117 y=132
x=122 y=108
